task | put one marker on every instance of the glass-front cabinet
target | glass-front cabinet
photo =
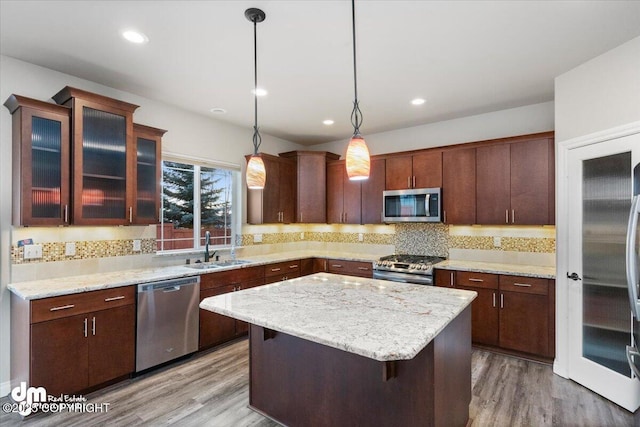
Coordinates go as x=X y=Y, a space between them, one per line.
x=41 y=183
x=148 y=143
x=104 y=157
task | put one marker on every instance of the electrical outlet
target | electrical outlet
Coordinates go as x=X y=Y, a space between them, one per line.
x=360 y=237
x=257 y=238
x=70 y=249
x=497 y=241
x=137 y=245
x=32 y=251
x=302 y=235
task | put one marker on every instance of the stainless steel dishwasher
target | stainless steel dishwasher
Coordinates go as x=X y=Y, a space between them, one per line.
x=167 y=321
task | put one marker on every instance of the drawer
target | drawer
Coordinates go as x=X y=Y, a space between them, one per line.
x=86 y=302
x=352 y=268
x=476 y=280
x=527 y=285
x=229 y=277
x=281 y=269
x=284 y=276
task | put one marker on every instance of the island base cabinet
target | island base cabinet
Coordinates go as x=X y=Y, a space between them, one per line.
x=298 y=383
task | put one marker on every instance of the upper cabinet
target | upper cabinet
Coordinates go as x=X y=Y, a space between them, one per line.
x=515 y=182
x=148 y=148
x=311 y=193
x=372 y=189
x=40 y=162
x=276 y=202
x=459 y=186
x=419 y=170
x=103 y=157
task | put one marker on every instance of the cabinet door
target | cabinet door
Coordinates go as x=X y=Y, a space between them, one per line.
x=312 y=188
x=352 y=200
x=215 y=328
x=271 y=193
x=524 y=322
x=111 y=343
x=493 y=184
x=287 y=195
x=459 y=186
x=445 y=278
x=427 y=169
x=484 y=316
x=335 y=193
x=148 y=149
x=41 y=191
x=60 y=354
x=372 y=189
x=530 y=175
x=398 y=173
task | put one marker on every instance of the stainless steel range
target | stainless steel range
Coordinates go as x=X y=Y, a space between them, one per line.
x=406 y=268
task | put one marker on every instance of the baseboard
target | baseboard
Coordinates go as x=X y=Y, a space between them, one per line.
x=5 y=388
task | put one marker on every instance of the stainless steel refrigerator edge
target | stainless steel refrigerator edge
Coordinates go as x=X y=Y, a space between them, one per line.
x=632 y=262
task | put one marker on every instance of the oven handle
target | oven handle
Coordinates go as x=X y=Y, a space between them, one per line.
x=403 y=277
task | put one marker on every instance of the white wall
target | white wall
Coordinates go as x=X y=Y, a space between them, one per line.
x=498 y=124
x=600 y=94
x=593 y=98
x=188 y=134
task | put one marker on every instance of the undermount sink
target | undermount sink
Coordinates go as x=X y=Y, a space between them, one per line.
x=217 y=264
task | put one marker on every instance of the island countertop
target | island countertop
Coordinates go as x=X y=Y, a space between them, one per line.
x=377 y=319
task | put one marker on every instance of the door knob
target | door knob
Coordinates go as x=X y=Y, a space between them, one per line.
x=574 y=276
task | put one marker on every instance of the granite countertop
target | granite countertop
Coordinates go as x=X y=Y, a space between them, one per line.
x=38 y=289
x=377 y=319
x=496 y=268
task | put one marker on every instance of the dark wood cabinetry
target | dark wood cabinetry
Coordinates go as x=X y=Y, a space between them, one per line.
x=512 y=183
x=350 y=268
x=74 y=342
x=513 y=313
x=372 y=189
x=281 y=271
x=216 y=328
x=419 y=170
x=312 y=265
x=148 y=174
x=459 y=186
x=41 y=162
x=275 y=203
x=311 y=183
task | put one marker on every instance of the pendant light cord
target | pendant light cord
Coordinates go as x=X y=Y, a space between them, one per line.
x=356 y=114
x=257 y=139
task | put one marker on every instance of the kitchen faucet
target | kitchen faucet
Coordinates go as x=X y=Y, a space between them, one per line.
x=207 y=239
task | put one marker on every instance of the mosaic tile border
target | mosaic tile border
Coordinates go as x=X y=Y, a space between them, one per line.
x=324 y=237
x=55 y=251
x=511 y=244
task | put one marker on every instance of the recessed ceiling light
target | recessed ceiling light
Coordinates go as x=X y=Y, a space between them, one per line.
x=218 y=110
x=260 y=92
x=135 y=37
x=418 y=101
x=327 y=122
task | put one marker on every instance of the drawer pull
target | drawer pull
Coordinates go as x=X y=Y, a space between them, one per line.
x=85 y=327
x=363 y=268
x=275 y=269
x=114 y=298
x=471 y=279
x=336 y=266
x=62 y=307
x=293 y=266
x=524 y=285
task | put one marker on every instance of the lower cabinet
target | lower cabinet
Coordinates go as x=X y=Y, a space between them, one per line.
x=511 y=312
x=350 y=268
x=74 y=342
x=281 y=271
x=215 y=328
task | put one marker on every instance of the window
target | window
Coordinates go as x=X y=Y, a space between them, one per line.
x=196 y=198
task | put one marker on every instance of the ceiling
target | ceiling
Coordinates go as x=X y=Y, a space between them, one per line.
x=463 y=57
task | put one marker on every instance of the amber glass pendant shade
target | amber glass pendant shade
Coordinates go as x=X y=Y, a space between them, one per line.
x=358 y=161
x=256 y=173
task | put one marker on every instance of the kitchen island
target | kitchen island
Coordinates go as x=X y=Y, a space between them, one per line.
x=336 y=350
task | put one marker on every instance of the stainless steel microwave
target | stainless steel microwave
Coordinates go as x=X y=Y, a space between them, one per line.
x=414 y=205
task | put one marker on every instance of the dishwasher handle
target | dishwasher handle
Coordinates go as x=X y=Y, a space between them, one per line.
x=171 y=285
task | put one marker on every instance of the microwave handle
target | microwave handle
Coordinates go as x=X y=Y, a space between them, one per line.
x=426 y=205
x=632 y=267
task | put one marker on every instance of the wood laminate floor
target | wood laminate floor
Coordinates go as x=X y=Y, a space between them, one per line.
x=211 y=389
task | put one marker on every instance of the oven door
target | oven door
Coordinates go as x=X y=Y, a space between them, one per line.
x=394 y=276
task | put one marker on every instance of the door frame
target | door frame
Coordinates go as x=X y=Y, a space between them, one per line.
x=563 y=225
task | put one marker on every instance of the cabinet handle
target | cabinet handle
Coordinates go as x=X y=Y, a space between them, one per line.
x=293 y=266
x=408 y=182
x=114 y=298
x=414 y=181
x=363 y=268
x=445 y=216
x=523 y=285
x=451 y=279
x=336 y=266
x=93 y=325
x=62 y=307
x=472 y=279
x=275 y=269
x=506 y=216
x=85 y=327
x=494 y=299
x=513 y=216
x=160 y=215
x=66 y=214
x=130 y=213
x=501 y=300
x=345 y=217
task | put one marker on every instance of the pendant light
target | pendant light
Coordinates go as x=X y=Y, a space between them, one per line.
x=256 y=172
x=358 y=162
